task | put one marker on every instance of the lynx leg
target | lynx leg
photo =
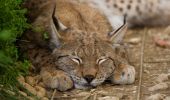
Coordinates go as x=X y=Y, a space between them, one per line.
x=58 y=79
x=124 y=74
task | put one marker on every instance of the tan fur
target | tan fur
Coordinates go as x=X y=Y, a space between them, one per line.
x=84 y=54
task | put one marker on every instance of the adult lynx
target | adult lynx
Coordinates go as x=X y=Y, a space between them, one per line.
x=138 y=12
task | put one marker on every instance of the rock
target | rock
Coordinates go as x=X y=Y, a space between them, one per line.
x=108 y=98
x=162 y=40
x=162 y=77
x=160 y=86
x=169 y=71
x=1 y=85
x=30 y=98
x=156 y=97
x=10 y=92
x=44 y=98
x=74 y=99
x=135 y=40
x=40 y=91
x=30 y=88
x=30 y=80
x=162 y=43
x=37 y=78
x=146 y=71
x=167 y=98
x=23 y=93
x=21 y=80
x=41 y=84
x=83 y=93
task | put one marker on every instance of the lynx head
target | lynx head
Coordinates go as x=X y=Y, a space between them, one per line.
x=87 y=57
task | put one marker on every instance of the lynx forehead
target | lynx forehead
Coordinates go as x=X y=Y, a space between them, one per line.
x=86 y=51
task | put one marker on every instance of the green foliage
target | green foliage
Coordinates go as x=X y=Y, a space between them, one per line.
x=12 y=17
x=45 y=36
x=12 y=25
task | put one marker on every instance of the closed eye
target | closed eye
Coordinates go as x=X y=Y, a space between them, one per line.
x=61 y=56
x=76 y=59
x=101 y=60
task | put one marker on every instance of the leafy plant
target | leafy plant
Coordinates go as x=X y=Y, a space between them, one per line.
x=12 y=25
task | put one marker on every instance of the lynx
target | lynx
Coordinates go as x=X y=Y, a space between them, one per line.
x=138 y=12
x=82 y=50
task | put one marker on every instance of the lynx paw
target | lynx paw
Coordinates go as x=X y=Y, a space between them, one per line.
x=123 y=75
x=56 y=79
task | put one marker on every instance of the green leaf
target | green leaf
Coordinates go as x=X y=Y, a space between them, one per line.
x=6 y=35
x=45 y=36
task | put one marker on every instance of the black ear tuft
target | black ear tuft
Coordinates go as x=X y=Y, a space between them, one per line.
x=117 y=30
x=55 y=20
x=57 y=23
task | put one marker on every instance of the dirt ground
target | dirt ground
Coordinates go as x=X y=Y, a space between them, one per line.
x=149 y=59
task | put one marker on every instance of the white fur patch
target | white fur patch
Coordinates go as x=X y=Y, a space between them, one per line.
x=115 y=20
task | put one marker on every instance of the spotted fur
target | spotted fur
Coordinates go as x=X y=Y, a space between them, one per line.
x=138 y=12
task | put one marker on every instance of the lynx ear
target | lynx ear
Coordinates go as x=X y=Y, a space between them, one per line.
x=117 y=35
x=55 y=27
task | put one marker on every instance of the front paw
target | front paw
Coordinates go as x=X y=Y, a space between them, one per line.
x=56 y=79
x=125 y=74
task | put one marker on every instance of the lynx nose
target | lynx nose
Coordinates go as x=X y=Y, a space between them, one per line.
x=89 y=78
